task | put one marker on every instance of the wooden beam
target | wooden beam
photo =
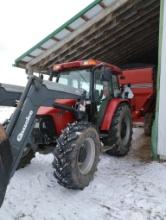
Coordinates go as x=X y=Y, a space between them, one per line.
x=31 y=56
x=85 y=18
x=70 y=29
x=115 y=5
x=118 y=38
x=42 y=48
x=55 y=39
x=102 y=5
x=112 y=30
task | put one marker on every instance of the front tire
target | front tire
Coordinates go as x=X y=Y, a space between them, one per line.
x=120 y=133
x=76 y=155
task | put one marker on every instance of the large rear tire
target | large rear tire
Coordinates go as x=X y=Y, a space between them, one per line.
x=76 y=155
x=120 y=133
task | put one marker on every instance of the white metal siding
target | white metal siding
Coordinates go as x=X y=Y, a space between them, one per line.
x=162 y=100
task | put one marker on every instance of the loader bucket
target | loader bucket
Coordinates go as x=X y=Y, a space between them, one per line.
x=5 y=163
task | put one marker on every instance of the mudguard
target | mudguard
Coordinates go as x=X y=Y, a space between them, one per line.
x=109 y=113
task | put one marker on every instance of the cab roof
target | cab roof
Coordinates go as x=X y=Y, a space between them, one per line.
x=85 y=64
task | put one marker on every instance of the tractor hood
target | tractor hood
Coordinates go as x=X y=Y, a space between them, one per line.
x=49 y=110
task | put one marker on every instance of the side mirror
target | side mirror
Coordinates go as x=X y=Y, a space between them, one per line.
x=106 y=74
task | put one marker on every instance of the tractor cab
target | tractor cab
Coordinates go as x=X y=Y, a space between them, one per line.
x=98 y=79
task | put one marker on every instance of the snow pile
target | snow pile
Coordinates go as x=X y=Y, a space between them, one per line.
x=131 y=188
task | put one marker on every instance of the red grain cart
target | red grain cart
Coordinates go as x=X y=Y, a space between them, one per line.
x=142 y=83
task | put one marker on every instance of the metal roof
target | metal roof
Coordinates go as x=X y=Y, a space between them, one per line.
x=116 y=31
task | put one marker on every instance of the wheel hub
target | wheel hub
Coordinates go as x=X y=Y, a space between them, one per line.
x=86 y=156
x=82 y=154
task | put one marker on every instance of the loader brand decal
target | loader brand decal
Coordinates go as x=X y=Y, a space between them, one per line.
x=27 y=120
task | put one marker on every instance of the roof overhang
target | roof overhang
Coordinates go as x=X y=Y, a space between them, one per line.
x=115 y=31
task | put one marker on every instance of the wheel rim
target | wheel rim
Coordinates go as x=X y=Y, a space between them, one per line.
x=86 y=156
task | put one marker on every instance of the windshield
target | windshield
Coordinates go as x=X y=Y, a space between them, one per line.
x=79 y=79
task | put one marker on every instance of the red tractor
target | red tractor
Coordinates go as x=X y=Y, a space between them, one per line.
x=76 y=114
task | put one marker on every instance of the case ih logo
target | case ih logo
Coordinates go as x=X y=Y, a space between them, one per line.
x=27 y=120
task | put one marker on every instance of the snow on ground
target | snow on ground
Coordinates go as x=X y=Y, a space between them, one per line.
x=129 y=188
x=5 y=113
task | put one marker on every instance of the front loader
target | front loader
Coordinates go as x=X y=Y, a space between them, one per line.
x=78 y=112
x=13 y=141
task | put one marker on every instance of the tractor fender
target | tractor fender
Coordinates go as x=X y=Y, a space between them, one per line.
x=110 y=111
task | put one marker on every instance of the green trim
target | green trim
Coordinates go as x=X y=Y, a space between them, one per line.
x=93 y=4
x=154 y=138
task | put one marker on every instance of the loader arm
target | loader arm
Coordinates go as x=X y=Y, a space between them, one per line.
x=13 y=141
